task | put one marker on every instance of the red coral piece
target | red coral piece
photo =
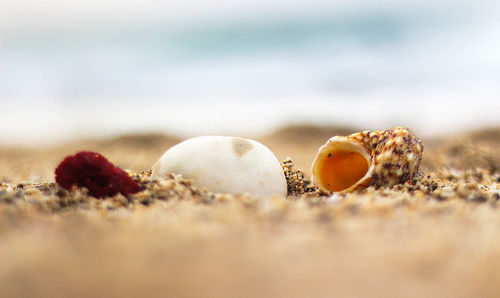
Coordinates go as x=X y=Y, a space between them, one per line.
x=93 y=171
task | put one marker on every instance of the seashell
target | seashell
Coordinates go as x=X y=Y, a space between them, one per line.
x=225 y=165
x=380 y=158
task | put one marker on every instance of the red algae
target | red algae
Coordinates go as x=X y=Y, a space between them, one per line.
x=93 y=171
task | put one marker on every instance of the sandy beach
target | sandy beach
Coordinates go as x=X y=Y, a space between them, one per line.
x=435 y=236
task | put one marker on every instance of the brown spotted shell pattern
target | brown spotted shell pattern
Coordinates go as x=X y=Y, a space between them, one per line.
x=380 y=158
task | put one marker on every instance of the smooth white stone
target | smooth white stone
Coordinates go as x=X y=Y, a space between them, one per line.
x=225 y=165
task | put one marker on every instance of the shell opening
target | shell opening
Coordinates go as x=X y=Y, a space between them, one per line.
x=341 y=169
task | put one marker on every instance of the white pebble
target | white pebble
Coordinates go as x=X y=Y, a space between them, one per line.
x=225 y=165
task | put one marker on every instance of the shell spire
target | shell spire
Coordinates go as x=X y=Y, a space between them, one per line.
x=381 y=158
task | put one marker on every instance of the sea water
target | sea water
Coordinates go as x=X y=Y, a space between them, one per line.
x=434 y=68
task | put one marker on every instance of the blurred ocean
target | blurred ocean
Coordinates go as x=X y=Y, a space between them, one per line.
x=432 y=66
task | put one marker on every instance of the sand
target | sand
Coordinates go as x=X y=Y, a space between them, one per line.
x=436 y=236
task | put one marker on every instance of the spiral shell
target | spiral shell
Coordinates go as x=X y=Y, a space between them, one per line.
x=381 y=158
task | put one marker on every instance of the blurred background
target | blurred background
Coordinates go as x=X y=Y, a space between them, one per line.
x=72 y=69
